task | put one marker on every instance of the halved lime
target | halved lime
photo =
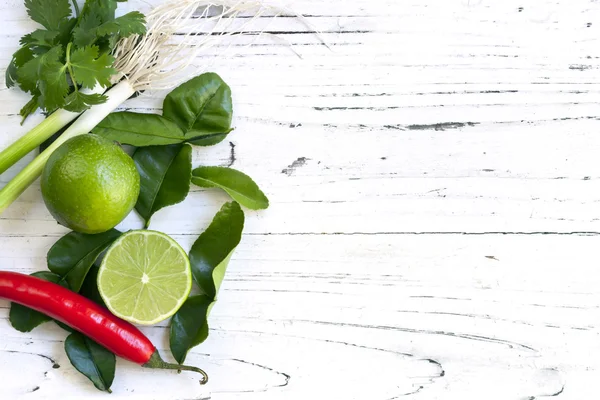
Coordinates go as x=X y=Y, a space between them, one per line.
x=145 y=277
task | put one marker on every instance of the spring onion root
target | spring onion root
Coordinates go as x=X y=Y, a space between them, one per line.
x=178 y=32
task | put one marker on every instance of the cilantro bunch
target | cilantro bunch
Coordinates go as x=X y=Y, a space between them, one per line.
x=70 y=53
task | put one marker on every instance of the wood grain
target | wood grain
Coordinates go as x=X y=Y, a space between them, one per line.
x=434 y=211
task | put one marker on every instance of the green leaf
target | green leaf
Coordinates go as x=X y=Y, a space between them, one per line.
x=84 y=33
x=189 y=326
x=92 y=360
x=29 y=73
x=165 y=173
x=209 y=139
x=139 y=130
x=48 y=13
x=238 y=185
x=108 y=44
x=10 y=76
x=89 y=288
x=40 y=37
x=53 y=79
x=104 y=9
x=211 y=252
x=25 y=319
x=96 y=23
x=124 y=26
x=90 y=68
x=29 y=108
x=209 y=258
x=73 y=255
x=21 y=56
x=50 y=78
x=65 y=31
x=202 y=107
x=200 y=110
x=78 y=102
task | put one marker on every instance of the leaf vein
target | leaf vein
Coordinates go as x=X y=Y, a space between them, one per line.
x=201 y=111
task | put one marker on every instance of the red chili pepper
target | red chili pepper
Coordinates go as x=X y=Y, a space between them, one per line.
x=87 y=317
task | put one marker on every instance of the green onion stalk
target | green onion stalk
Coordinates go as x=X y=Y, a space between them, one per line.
x=38 y=135
x=159 y=59
x=84 y=124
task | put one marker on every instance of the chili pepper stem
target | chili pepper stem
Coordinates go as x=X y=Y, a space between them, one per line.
x=157 y=362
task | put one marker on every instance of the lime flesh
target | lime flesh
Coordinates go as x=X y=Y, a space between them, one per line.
x=145 y=277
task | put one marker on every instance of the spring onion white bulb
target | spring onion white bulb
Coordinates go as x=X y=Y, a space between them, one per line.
x=178 y=32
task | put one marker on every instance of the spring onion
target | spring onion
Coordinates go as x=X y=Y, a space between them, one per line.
x=65 y=64
x=177 y=33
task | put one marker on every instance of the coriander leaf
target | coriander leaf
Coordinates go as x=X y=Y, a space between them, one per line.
x=39 y=37
x=27 y=75
x=21 y=56
x=25 y=319
x=92 y=360
x=78 y=101
x=29 y=108
x=237 y=184
x=108 y=43
x=124 y=26
x=10 y=75
x=85 y=32
x=104 y=9
x=139 y=129
x=48 y=13
x=31 y=72
x=211 y=252
x=89 y=68
x=189 y=326
x=53 y=79
x=72 y=256
x=202 y=107
x=165 y=173
x=133 y=23
x=91 y=28
x=65 y=30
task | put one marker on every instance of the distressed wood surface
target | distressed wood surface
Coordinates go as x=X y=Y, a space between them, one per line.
x=435 y=211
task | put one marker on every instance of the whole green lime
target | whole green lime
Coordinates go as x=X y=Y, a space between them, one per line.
x=90 y=184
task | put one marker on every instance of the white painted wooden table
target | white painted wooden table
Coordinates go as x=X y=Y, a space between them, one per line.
x=435 y=219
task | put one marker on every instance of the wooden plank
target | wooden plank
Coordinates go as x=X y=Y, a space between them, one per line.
x=469 y=179
x=434 y=210
x=499 y=310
